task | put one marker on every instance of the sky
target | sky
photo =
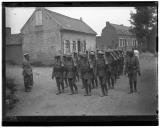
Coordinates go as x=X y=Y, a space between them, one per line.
x=95 y=17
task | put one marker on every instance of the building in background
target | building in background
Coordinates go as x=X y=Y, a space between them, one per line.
x=116 y=36
x=46 y=33
x=13 y=47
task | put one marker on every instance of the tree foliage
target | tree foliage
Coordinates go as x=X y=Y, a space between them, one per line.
x=143 y=21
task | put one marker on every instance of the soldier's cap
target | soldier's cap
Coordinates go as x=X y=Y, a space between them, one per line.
x=100 y=52
x=83 y=54
x=57 y=55
x=26 y=54
x=92 y=52
x=68 y=55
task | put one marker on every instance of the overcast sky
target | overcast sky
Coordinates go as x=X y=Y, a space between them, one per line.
x=95 y=17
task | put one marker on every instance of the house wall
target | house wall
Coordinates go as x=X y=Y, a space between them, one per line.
x=75 y=36
x=109 y=37
x=42 y=41
x=13 y=54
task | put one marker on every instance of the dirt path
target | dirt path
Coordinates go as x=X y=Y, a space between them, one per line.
x=44 y=101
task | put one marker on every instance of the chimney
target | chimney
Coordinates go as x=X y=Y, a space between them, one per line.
x=107 y=23
x=40 y=8
x=8 y=31
x=81 y=19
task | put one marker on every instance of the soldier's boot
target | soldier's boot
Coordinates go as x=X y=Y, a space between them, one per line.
x=102 y=89
x=89 y=89
x=106 y=90
x=135 y=86
x=96 y=82
x=92 y=84
x=112 y=83
x=66 y=82
x=59 y=91
x=62 y=86
x=131 y=87
x=71 y=88
x=75 y=87
x=86 y=91
x=82 y=84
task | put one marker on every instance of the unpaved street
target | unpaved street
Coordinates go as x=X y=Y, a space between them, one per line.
x=44 y=101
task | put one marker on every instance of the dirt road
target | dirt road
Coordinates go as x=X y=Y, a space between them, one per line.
x=44 y=101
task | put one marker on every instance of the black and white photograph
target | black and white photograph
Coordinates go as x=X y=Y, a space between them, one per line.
x=80 y=60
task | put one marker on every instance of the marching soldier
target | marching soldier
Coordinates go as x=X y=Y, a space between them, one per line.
x=71 y=74
x=132 y=68
x=58 y=74
x=75 y=59
x=27 y=73
x=110 y=73
x=101 y=72
x=85 y=73
x=65 y=71
x=92 y=61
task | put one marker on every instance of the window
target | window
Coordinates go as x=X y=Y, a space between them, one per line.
x=74 y=46
x=84 y=46
x=79 y=46
x=66 y=46
x=38 y=17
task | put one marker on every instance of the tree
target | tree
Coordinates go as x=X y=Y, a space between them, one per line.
x=142 y=23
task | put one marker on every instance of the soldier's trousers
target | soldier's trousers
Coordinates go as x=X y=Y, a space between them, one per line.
x=28 y=81
x=72 y=85
x=87 y=85
x=102 y=80
x=133 y=81
x=110 y=79
x=60 y=84
x=94 y=80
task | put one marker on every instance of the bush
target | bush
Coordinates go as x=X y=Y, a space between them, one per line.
x=10 y=94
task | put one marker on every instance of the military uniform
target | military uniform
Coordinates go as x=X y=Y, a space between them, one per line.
x=92 y=62
x=75 y=59
x=65 y=71
x=27 y=74
x=110 y=73
x=132 y=67
x=101 y=72
x=71 y=74
x=58 y=74
x=85 y=73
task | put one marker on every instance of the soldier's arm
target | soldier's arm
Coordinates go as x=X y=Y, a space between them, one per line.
x=125 y=66
x=138 y=65
x=53 y=73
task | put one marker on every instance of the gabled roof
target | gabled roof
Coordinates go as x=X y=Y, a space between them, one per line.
x=69 y=23
x=122 y=30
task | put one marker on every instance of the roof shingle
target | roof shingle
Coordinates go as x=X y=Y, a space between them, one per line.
x=121 y=29
x=69 y=23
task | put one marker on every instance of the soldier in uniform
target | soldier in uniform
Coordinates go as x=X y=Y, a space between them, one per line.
x=58 y=74
x=101 y=72
x=75 y=59
x=27 y=73
x=132 y=68
x=92 y=61
x=71 y=74
x=65 y=71
x=110 y=73
x=85 y=73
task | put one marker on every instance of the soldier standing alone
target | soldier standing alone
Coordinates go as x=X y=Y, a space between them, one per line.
x=27 y=73
x=132 y=68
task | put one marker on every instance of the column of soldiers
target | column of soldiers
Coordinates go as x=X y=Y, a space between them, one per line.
x=94 y=69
